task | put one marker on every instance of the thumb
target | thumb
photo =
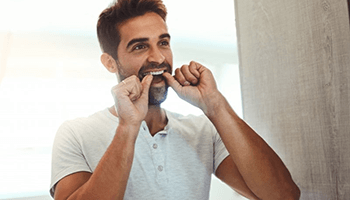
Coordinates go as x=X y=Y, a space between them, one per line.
x=146 y=84
x=172 y=82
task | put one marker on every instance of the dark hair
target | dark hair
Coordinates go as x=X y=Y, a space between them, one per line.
x=119 y=12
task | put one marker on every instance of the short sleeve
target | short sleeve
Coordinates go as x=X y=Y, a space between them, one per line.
x=67 y=156
x=220 y=151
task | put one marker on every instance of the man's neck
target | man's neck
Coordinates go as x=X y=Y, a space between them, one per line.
x=156 y=118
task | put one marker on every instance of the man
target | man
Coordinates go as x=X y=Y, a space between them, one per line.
x=137 y=150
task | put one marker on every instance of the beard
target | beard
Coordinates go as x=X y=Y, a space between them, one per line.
x=156 y=95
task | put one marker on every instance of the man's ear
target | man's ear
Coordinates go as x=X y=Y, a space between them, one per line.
x=109 y=62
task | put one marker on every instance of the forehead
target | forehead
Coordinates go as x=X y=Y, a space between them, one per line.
x=149 y=25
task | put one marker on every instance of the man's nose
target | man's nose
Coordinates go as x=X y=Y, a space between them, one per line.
x=155 y=56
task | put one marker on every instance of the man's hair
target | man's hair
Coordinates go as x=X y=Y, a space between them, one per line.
x=111 y=18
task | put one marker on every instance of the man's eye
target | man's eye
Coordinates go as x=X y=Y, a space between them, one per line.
x=138 y=47
x=164 y=43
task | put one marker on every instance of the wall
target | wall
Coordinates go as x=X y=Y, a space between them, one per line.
x=295 y=76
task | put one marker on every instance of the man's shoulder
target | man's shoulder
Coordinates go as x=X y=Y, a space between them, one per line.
x=191 y=121
x=186 y=118
x=92 y=123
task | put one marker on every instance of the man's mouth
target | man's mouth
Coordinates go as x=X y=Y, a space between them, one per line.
x=155 y=73
x=155 y=70
x=157 y=76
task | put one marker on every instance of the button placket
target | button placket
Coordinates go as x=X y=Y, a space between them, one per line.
x=155 y=146
x=158 y=157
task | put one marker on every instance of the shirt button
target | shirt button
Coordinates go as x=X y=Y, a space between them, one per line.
x=155 y=146
x=160 y=168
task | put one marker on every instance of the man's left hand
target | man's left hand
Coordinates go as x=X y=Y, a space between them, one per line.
x=195 y=84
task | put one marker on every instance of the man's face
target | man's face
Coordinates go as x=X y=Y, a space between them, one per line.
x=145 y=48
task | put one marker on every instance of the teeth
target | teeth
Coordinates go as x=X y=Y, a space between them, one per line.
x=155 y=73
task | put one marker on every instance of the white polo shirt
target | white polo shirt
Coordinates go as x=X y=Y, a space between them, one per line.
x=176 y=163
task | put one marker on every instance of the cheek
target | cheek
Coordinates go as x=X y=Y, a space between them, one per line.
x=130 y=66
x=169 y=59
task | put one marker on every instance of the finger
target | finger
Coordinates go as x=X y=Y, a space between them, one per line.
x=133 y=86
x=189 y=76
x=146 y=84
x=194 y=69
x=134 y=94
x=181 y=78
x=114 y=91
x=172 y=82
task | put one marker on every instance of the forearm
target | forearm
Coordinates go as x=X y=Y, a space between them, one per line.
x=261 y=168
x=110 y=177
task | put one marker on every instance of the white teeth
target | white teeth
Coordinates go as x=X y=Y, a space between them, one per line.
x=156 y=73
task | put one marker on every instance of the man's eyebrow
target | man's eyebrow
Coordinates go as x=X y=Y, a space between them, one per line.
x=136 y=40
x=165 y=35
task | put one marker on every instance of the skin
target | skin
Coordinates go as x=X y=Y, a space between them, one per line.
x=253 y=169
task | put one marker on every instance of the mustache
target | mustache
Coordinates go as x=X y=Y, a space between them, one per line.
x=150 y=66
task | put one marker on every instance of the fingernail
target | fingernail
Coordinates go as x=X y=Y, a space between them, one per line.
x=187 y=83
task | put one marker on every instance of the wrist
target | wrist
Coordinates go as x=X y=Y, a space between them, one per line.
x=213 y=103
x=128 y=131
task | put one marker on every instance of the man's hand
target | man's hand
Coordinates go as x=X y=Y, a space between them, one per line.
x=195 y=84
x=131 y=99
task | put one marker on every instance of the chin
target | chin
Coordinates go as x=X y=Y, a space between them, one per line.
x=157 y=95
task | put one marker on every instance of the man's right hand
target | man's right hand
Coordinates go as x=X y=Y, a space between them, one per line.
x=131 y=100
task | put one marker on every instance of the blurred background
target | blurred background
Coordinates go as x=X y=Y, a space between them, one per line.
x=50 y=71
